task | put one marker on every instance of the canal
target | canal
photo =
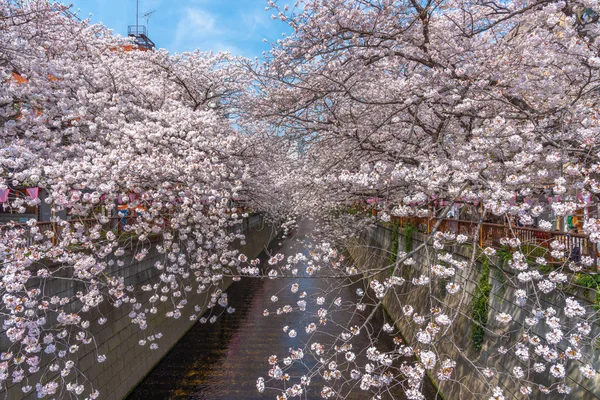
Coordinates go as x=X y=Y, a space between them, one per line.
x=222 y=360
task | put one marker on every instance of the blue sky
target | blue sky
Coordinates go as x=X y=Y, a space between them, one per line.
x=237 y=26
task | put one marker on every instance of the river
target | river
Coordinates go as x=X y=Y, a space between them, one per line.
x=222 y=360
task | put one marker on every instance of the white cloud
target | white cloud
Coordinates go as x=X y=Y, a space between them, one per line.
x=235 y=26
x=195 y=25
x=254 y=19
x=200 y=29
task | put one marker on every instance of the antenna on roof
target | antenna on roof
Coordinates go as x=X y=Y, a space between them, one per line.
x=147 y=16
x=140 y=32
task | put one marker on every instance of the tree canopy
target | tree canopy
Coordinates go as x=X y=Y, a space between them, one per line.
x=417 y=105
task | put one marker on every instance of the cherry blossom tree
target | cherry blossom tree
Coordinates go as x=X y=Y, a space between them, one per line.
x=425 y=104
x=418 y=104
x=95 y=121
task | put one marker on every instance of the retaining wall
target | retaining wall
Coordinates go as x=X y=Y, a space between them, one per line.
x=372 y=250
x=127 y=363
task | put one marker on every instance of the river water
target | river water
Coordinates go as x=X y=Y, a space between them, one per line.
x=222 y=360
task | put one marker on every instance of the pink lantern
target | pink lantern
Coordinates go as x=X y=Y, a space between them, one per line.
x=33 y=192
x=4 y=195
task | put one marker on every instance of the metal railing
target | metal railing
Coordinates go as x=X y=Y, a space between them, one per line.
x=116 y=224
x=140 y=33
x=135 y=30
x=536 y=240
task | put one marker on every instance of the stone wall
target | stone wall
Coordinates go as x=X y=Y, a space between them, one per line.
x=373 y=250
x=127 y=363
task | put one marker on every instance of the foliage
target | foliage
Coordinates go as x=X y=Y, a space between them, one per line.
x=409 y=233
x=591 y=282
x=395 y=243
x=480 y=306
x=504 y=254
x=533 y=250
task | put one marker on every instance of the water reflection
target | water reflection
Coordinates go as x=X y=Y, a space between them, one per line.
x=223 y=360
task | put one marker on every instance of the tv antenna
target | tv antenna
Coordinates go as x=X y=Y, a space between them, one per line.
x=147 y=16
x=140 y=32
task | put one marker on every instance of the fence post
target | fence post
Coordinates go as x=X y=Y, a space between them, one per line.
x=481 y=235
x=54 y=230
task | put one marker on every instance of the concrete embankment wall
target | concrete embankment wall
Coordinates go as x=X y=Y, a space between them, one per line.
x=127 y=363
x=372 y=250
